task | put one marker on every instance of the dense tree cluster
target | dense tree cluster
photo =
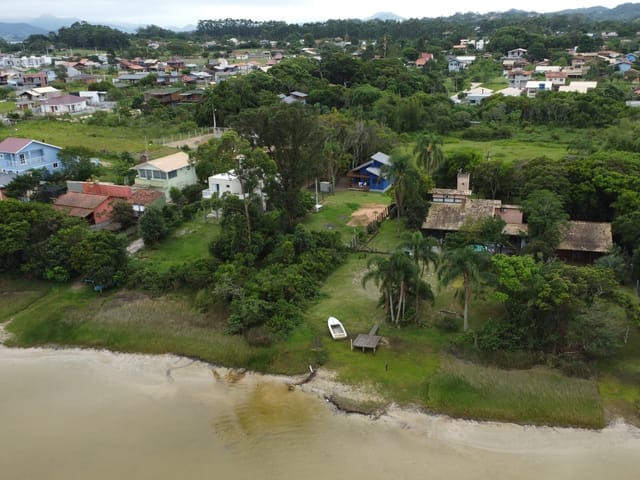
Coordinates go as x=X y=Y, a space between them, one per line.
x=39 y=241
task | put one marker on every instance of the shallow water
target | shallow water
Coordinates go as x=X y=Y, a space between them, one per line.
x=75 y=414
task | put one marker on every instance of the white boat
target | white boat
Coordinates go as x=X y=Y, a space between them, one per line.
x=336 y=329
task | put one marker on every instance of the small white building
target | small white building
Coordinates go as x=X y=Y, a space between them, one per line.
x=221 y=183
x=535 y=86
x=578 y=87
x=63 y=104
x=229 y=183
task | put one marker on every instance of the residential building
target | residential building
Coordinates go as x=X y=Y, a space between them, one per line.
x=534 y=86
x=518 y=78
x=579 y=87
x=63 y=104
x=19 y=155
x=229 y=183
x=557 y=79
x=580 y=242
x=94 y=201
x=517 y=53
x=369 y=176
x=162 y=174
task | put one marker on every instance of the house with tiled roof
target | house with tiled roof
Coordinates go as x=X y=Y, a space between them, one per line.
x=94 y=200
x=557 y=79
x=95 y=209
x=19 y=155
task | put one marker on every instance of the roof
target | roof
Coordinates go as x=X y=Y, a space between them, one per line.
x=64 y=100
x=510 y=92
x=41 y=90
x=13 y=144
x=162 y=91
x=580 y=87
x=80 y=200
x=451 y=216
x=382 y=158
x=167 y=164
x=586 y=237
x=145 y=196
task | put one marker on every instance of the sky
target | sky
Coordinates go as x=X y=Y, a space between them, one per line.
x=178 y=13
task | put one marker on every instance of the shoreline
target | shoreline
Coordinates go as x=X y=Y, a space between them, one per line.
x=345 y=399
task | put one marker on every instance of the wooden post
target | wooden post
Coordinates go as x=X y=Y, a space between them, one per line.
x=351 y=340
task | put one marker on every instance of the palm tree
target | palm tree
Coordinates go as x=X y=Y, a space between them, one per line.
x=465 y=262
x=402 y=173
x=394 y=275
x=428 y=151
x=423 y=251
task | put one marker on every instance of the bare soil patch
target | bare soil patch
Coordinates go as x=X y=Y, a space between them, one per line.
x=366 y=214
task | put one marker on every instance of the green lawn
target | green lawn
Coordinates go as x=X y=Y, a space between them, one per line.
x=190 y=241
x=337 y=210
x=7 y=106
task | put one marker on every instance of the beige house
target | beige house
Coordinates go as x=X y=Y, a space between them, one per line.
x=164 y=173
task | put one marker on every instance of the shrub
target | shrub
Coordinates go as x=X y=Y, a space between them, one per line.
x=574 y=367
x=447 y=324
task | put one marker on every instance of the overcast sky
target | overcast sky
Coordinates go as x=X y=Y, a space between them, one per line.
x=179 y=13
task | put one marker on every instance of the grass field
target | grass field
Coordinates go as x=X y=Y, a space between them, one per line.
x=189 y=241
x=337 y=210
x=536 y=396
x=98 y=138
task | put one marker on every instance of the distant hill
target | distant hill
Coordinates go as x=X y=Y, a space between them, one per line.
x=15 y=32
x=625 y=12
x=384 y=16
x=44 y=24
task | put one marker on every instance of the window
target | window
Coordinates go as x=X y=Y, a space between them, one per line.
x=23 y=159
x=159 y=175
x=173 y=174
x=55 y=165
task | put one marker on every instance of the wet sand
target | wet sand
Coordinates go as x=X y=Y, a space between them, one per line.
x=95 y=414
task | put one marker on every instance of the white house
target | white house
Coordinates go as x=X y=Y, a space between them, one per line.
x=517 y=53
x=457 y=64
x=63 y=104
x=229 y=183
x=475 y=96
x=534 y=86
x=579 y=87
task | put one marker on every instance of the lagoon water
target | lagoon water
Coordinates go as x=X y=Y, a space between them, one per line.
x=81 y=414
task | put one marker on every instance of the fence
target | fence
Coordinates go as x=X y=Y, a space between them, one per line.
x=371 y=230
x=182 y=136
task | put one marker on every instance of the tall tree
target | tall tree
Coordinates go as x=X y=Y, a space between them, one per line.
x=424 y=253
x=291 y=136
x=394 y=275
x=545 y=215
x=428 y=152
x=465 y=262
x=401 y=172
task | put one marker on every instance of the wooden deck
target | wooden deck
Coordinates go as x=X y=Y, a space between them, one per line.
x=367 y=340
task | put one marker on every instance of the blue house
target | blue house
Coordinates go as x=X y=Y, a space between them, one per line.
x=18 y=155
x=368 y=176
x=623 y=65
